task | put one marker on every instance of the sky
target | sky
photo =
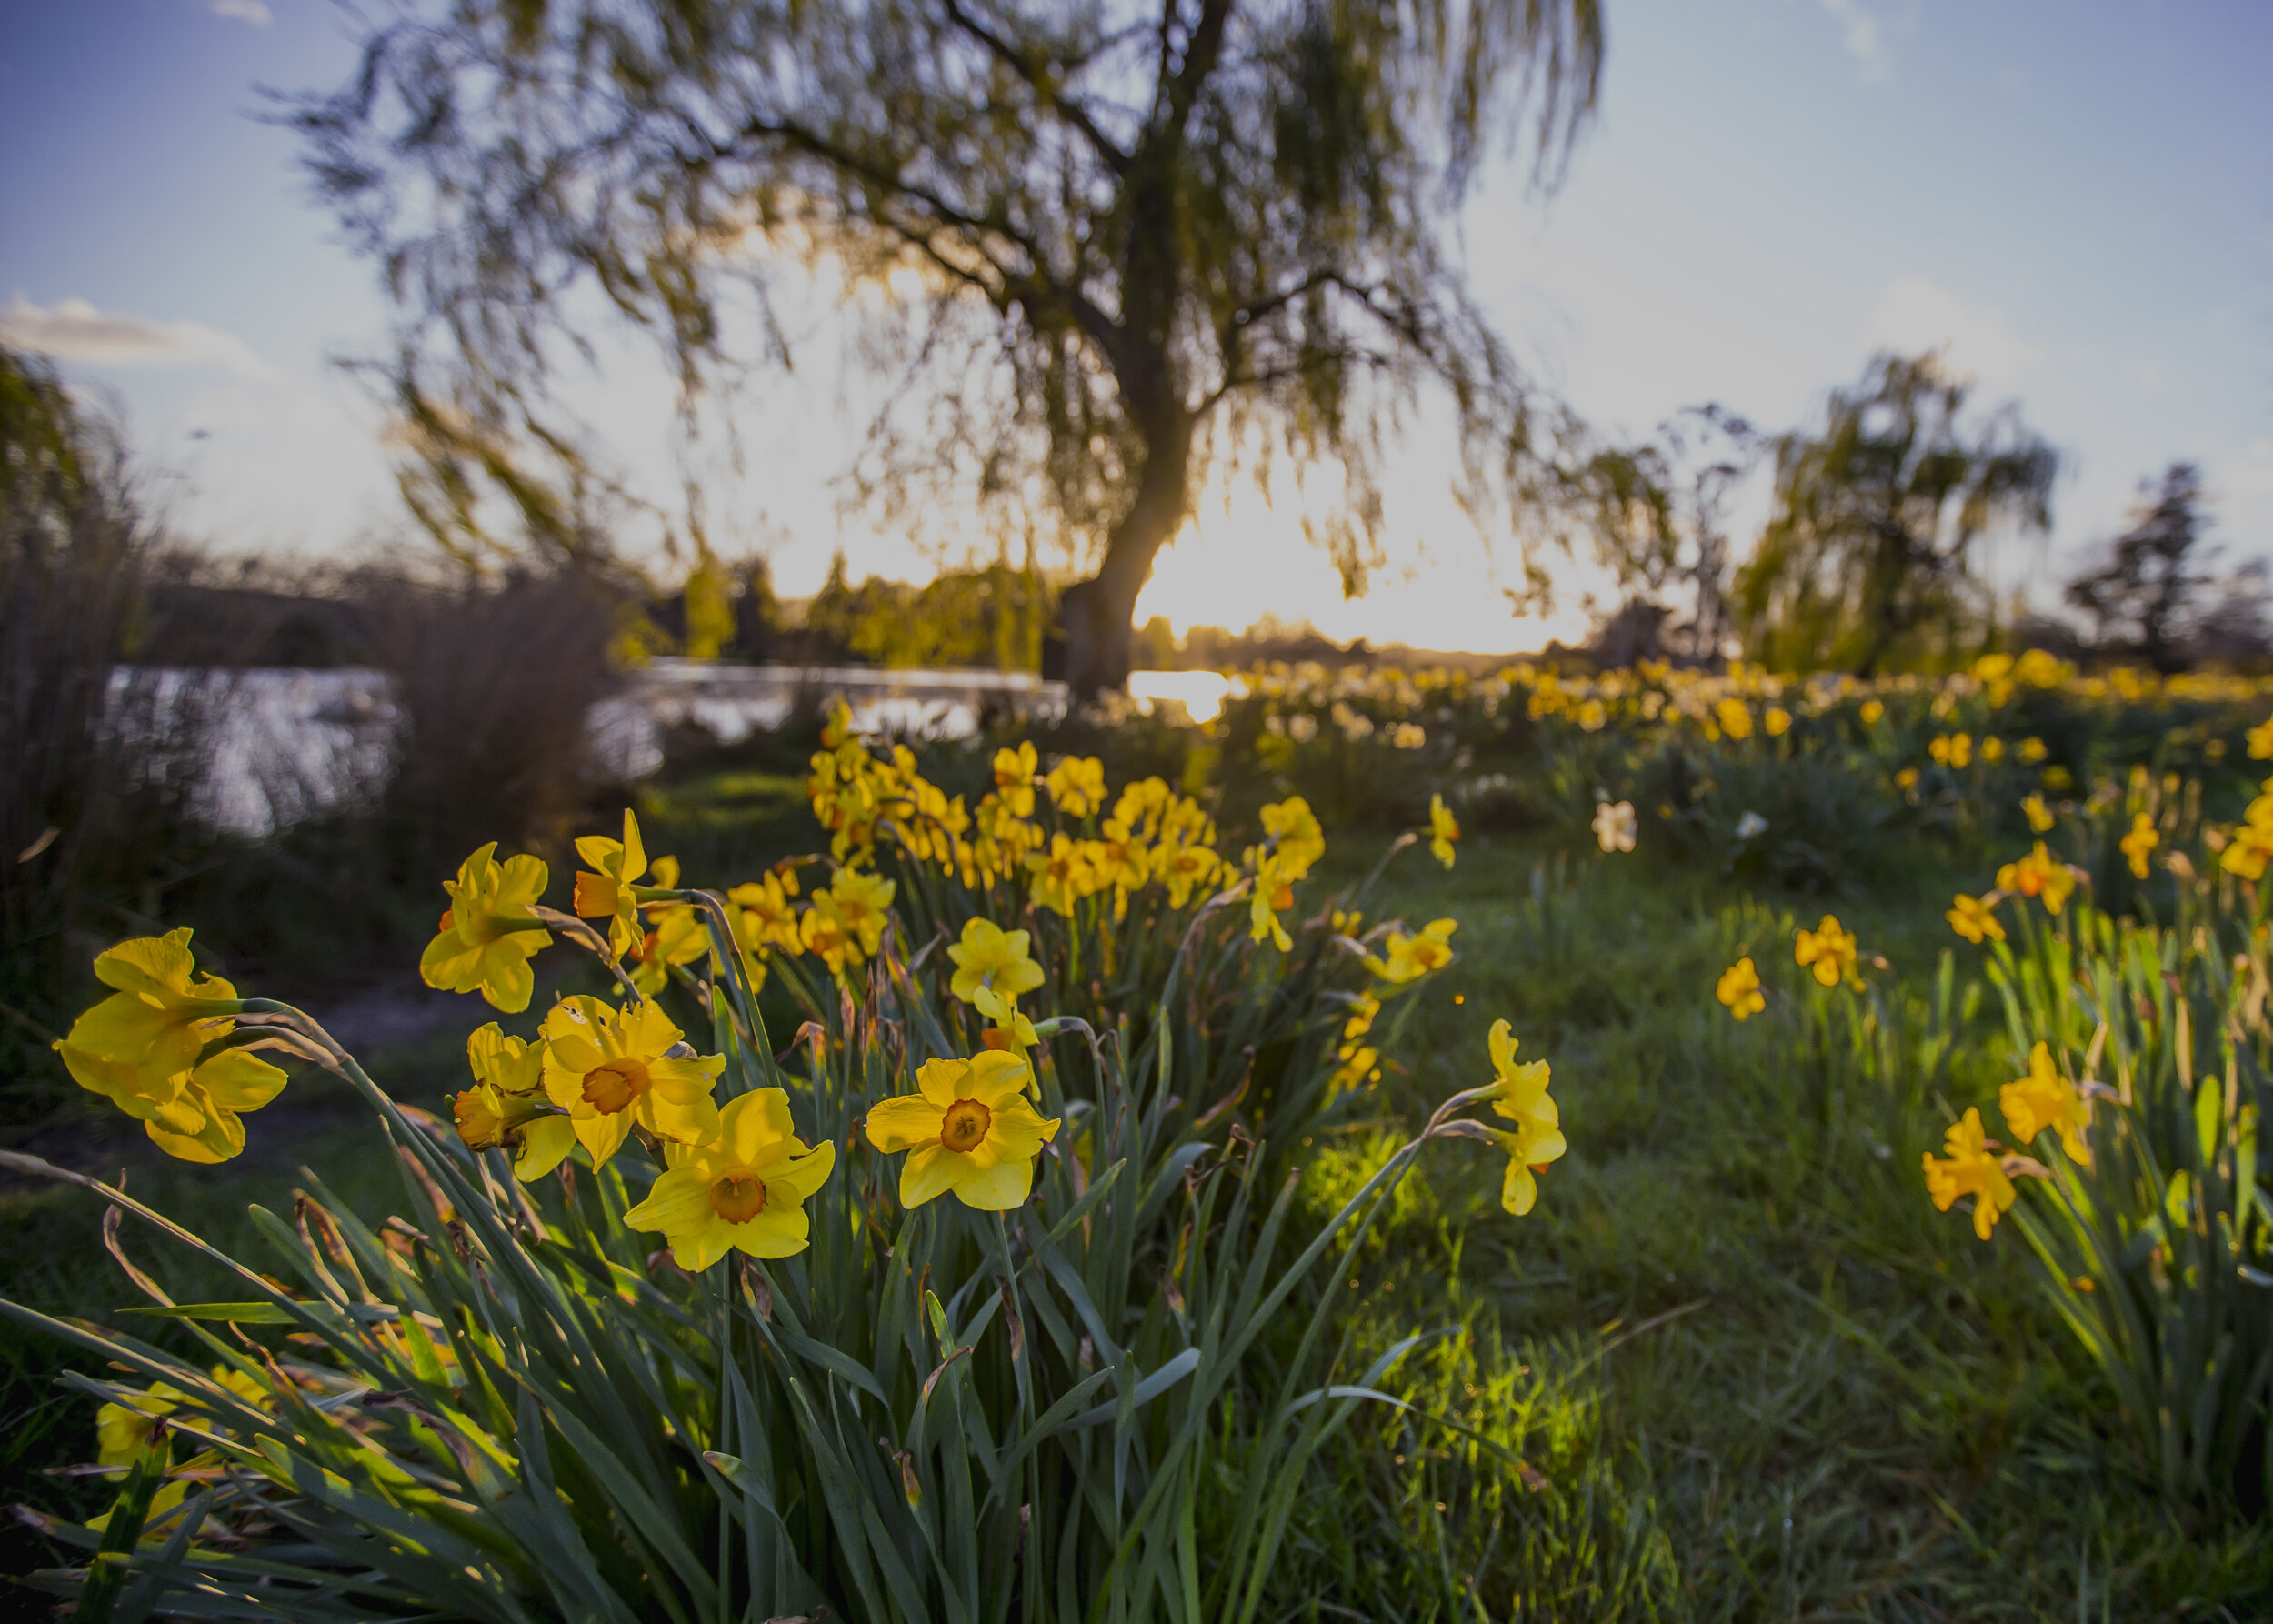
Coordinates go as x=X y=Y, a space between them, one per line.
x=2075 y=197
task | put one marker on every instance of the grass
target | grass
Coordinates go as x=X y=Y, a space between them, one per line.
x=1733 y=1366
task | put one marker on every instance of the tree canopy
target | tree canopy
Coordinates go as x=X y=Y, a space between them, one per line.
x=1106 y=248
x=1871 y=551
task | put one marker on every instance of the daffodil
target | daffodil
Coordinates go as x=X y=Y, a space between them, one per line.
x=677 y=936
x=1013 y=779
x=1615 y=824
x=507 y=1107
x=1077 y=786
x=743 y=1190
x=1061 y=876
x=826 y=938
x=861 y=904
x=1298 y=840
x=1519 y=1094
x=1777 y=721
x=2039 y=875
x=969 y=1129
x=153 y=1027
x=2044 y=1099
x=2032 y=750
x=1183 y=869
x=2139 y=843
x=992 y=958
x=1012 y=1032
x=612 y=1070
x=2039 y=815
x=1733 y=718
x=1740 y=988
x=140 y=1049
x=1409 y=958
x=2261 y=740
x=2247 y=850
x=1871 y=711
x=1443 y=830
x=1272 y=896
x=1969 y=1167
x=488 y=934
x=1829 y=949
x=608 y=891
x=1975 y=919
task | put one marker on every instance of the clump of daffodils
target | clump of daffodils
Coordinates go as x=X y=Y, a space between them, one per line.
x=601 y=1076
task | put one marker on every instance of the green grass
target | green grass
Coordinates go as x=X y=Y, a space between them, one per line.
x=1748 y=1371
x=1754 y=1372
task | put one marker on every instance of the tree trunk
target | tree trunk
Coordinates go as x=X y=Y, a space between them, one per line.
x=1094 y=617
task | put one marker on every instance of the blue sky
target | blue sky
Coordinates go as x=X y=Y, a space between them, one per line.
x=2077 y=198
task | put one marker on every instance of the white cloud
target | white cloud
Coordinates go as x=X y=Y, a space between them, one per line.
x=1865 y=41
x=244 y=11
x=76 y=330
x=1914 y=313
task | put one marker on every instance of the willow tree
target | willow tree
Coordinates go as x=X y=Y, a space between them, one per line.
x=1148 y=242
x=1873 y=547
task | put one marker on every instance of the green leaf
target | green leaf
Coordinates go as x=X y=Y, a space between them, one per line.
x=233 y=1313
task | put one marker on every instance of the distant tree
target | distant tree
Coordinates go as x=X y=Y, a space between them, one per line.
x=1871 y=548
x=1656 y=513
x=2146 y=596
x=1112 y=246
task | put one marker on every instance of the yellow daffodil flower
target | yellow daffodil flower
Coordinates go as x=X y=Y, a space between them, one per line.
x=611 y=1070
x=2261 y=741
x=1975 y=919
x=825 y=935
x=1777 y=721
x=1952 y=750
x=1872 y=710
x=768 y=920
x=1733 y=718
x=2039 y=815
x=1298 y=840
x=606 y=891
x=1013 y=779
x=2140 y=844
x=1992 y=749
x=1272 y=896
x=744 y=1189
x=507 y=1107
x=861 y=904
x=1077 y=786
x=1183 y=869
x=969 y=1129
x=1012 y=1033
x=489 y=934
x=1409 y=958
x=1061 y=876
x=1971 y=1168
x=1906 y=779
x=677 y=936
x=2039 y=875
x=1443 y=830
x=1827 y=949
x=992 y=958
x=1615 y=823
x=2248 y=850
x=2032 y=750
x=2044 y=1099
x=1144 y=804
x=1520 y=1095
x=140 y=1048
x=155 y=1025
x=1740 y=988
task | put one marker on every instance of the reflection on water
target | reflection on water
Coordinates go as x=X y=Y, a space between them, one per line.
x=275 y=745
